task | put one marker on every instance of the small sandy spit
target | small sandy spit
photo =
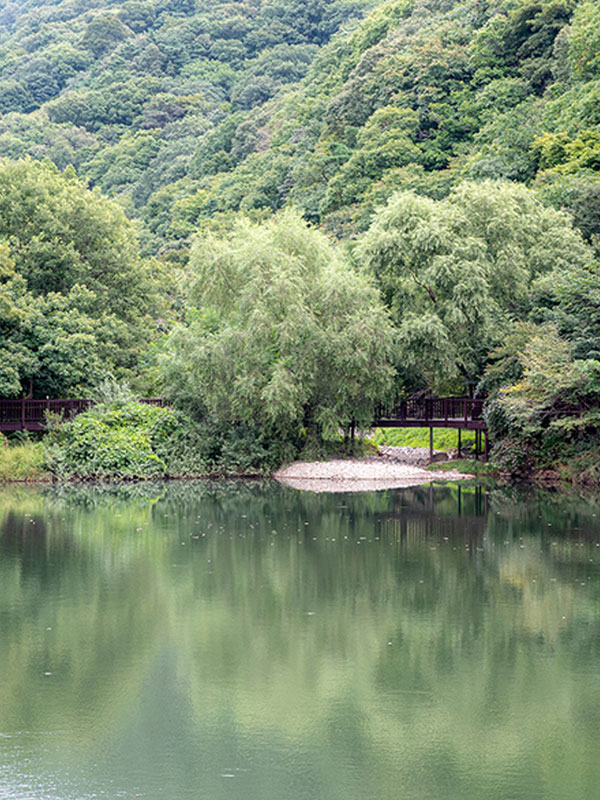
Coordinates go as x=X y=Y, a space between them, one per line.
x=358 y=475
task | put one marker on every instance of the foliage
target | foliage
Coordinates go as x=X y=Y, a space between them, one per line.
x=580 y=195
x=552 y=408
x=110 y=392
x=581 y=466
x=558 y=153
x=584 y=40
x=76 y=301
x=505 y=362
x=365 y=115
x=457 y=272
x=328 y=105
x=282 y=336
x=124 y=440
x=84 y=86
x=61 y=235
x=22 y=461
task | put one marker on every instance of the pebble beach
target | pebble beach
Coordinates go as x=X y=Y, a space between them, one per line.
x=393 y=469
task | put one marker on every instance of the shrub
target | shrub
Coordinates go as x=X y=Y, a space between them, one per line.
x=21 y=462
x=515 y=456
x=551 y=412
x=129 y=439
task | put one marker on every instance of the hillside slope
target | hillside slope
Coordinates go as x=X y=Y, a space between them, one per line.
x=189 y=111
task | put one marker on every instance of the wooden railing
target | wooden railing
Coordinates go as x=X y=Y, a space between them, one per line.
x=30 y=415
x=456 y=411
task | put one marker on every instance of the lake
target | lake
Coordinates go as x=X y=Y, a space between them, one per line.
x=245 y=641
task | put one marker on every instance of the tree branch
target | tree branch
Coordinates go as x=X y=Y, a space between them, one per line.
x=427 y=288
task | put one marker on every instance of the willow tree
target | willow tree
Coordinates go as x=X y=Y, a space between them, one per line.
x=282 y=334
x=458 y=273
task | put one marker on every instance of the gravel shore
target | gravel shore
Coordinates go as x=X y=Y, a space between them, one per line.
x=359 y=475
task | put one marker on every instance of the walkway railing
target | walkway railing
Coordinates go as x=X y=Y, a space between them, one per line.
x=30 y=415
x=452 y=412
x=461 y=413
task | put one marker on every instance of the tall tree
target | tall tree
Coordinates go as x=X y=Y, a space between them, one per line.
x=284 y=336
x=457 y=272
x=76 y=300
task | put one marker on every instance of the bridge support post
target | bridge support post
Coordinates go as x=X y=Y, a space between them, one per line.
x=486 y=446
x=459 y=442
x=431 y=443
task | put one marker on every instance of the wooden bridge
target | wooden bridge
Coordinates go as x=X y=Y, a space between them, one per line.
x=462 y=413
x=435 y=412
x=30 y=415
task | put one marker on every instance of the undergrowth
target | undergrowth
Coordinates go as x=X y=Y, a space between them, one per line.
x=319 y=450
x=468 y=466
x=24 y=461
x=130 y=440
x=582 y=468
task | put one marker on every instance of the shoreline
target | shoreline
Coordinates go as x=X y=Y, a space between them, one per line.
x=366 y=474
x=360 y=474
x=404 y=476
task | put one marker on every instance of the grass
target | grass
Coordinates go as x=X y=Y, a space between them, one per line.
x=22 y=462
x=443 y=438
x=467 y=466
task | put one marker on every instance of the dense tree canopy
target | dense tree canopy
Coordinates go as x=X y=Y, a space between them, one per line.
x=458 y=272
x=187 y=110
x=285 y=335
x=452 y=145
x=76 y=301
x=61 y=234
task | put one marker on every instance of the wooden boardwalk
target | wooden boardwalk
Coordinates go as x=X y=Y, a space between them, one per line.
x=30 y=415
x=435 y=412
x=461 y=413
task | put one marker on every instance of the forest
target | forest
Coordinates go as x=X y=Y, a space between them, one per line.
x=277 y=213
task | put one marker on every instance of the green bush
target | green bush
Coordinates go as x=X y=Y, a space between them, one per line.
x=243 y=448
x=133 y=440
x=22 y=462
x=582 y=468
x=127 y=440
x=515 y=456
x=550 y=414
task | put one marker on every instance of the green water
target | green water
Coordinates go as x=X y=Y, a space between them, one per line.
x=253 y=642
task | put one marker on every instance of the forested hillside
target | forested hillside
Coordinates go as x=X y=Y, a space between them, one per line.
x=188 y=111
x=146 y=98
x=451 y=147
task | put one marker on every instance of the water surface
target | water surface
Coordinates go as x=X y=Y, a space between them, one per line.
x=248 y=641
